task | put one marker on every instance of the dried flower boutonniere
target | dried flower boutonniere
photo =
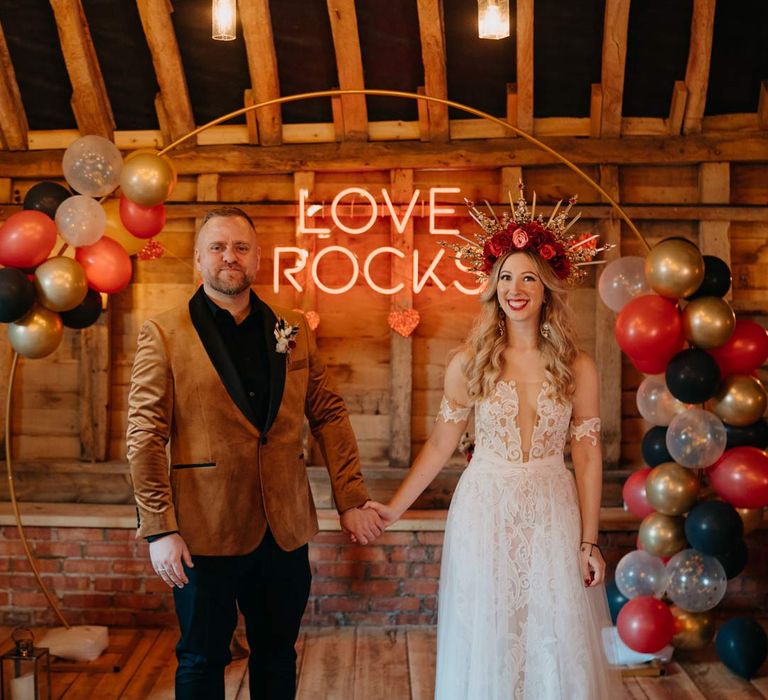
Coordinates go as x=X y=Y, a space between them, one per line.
x=285 y=334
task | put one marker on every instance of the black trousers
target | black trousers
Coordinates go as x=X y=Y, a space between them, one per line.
x=271 y=588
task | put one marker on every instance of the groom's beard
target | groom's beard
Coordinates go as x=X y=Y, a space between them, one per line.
x=230 y=280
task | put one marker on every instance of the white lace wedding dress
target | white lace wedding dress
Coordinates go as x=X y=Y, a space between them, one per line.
x=515 y=620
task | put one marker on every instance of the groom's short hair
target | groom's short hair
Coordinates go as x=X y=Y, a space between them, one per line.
x=226 y=212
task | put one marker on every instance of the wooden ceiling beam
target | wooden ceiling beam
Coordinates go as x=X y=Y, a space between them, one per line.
x=349 y=65
x=13 y=118
x=697 y=70
x=677 y=108
x=262 y=66
x=615 y=26
x=432 y=32
x=161 y=38
x=524 y=33
x=90 y=102
x=762 y=105
x=744 y=147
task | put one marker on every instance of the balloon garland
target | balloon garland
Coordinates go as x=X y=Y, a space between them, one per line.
x=706 y=409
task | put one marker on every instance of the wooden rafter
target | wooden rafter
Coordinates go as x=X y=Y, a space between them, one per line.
x=747 y=147
x=524 y=32
x=13 y=118
x=762 y=105
x=90 y=102
x=677 y=108
x=432 y=32
x=614 y=60
x=349 y=64
x=262 y=66
x=161 y=38
x=697 y=71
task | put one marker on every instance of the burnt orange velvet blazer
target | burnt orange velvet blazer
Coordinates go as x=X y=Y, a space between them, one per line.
x=223 y=481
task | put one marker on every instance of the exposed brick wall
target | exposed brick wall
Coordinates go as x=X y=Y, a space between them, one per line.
x=103 y=576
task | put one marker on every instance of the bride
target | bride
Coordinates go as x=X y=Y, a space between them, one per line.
x=521 y=601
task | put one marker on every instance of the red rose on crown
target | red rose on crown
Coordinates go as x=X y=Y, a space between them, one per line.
x=561 y=266
x=547 y=251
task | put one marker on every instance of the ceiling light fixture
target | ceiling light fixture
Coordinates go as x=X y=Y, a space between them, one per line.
x=224 y=16
x=493 y=19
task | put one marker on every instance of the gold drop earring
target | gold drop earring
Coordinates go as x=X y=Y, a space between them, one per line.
x=502 y=324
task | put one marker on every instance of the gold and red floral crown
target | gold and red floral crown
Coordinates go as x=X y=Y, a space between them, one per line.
x=520 y=230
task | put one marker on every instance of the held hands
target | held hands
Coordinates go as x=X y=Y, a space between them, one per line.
x=592 y=564
x=166 y=555
x=387 y=513
x=363 y=525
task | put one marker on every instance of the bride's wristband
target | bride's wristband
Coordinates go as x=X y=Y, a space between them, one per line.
x=592 y=547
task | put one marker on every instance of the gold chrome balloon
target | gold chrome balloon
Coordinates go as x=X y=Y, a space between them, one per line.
x=674 y=268
x=739 y=400
x=60 y=283
x=751 y=517
x=37 y=334
x=117 y=231
x=146 y=179
x=672 y=489
x=708 y=322
x=692 y=630
x=662 y=535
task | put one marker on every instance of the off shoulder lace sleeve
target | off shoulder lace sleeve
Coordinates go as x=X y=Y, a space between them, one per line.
x=588 y=428
x=452 y=412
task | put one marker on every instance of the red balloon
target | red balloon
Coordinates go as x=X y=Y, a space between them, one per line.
x=142 y=222
x=740 y=477
x=106 y=264
x=745 y=351
x=649 y=326
x=645 y=624
x=634 y=493
x=26 y=239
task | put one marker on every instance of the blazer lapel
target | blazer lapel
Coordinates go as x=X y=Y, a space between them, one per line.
x=277 y=365
x=205 y=326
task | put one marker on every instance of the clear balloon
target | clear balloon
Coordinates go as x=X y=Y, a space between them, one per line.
x=81 y=220
x=640 y=573
x=696 y=438
x=92 y=166
x=695 y=582
x=622 y=280
x=655 y=403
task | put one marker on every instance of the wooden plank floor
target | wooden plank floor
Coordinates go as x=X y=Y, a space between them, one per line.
x=368 y=663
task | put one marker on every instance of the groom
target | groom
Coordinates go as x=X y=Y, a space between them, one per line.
x=227 y=380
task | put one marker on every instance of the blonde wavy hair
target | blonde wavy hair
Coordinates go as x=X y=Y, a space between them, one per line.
x=483 y=349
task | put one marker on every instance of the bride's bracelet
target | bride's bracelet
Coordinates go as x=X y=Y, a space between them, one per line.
x=592 y=547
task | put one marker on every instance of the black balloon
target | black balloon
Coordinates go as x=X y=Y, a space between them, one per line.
x=713 y=527
x=84 y=315
x=717 y=278
x=655 y=446
x=734 y=559
x=742 y=646
x=755 y=435
x=17 y=294
x=46 y=197
x=616 y=601
x=692 y=376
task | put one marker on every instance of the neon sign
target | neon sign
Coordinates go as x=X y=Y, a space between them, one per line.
x=285 y=270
